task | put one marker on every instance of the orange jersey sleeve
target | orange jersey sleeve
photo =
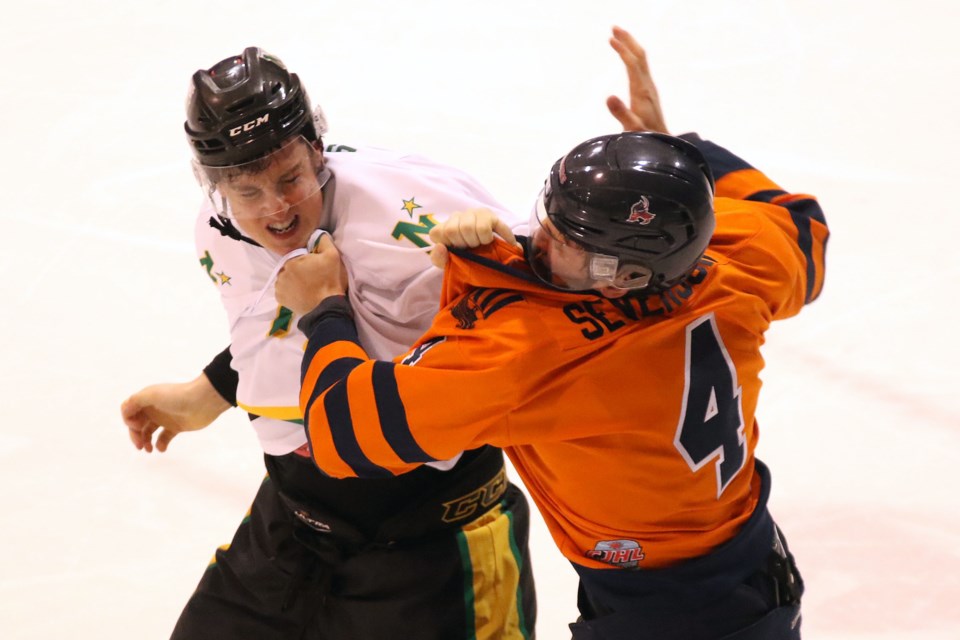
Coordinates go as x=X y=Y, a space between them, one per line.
x=799 y=216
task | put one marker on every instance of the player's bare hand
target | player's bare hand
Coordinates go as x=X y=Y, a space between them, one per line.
x=467 y=229
x=165 y=410
x=305 y=281
x=439 y=256
x=644 y=113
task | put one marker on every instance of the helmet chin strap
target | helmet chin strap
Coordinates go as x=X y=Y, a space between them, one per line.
x=226 y=228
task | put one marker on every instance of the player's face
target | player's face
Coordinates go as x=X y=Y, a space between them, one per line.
x=566 y=264
x=281 y=203
x=560 y=257
x=555 y=258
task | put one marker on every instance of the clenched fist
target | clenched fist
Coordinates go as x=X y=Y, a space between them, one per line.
x=305 y=281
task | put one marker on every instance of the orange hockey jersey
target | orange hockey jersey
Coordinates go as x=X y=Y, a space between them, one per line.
x=631 y=421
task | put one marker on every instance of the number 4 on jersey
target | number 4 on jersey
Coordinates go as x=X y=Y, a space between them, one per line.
x=711 y=420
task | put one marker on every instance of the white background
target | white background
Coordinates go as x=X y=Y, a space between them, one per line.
x=855 y=102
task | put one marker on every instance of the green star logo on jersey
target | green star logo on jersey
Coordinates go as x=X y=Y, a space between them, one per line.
x=410 y=205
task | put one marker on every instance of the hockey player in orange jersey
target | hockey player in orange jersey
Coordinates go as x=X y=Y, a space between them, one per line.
x=614 y=354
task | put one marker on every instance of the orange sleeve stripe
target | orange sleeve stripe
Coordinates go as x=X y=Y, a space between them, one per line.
x=787 y=198
x=357 y=405
x=820 y=236
x=811 y=236
x=330 y=353
x=807 y=227
x=744 y=183
x=322 y=448
x=366 y=420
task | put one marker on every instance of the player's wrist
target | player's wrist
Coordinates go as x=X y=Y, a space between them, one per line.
x=335 y=305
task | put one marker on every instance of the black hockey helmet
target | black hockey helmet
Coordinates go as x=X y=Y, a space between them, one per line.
x=244 y=106
x=639 y=205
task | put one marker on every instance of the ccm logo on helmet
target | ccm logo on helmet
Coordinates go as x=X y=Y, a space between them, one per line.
x=250 y=126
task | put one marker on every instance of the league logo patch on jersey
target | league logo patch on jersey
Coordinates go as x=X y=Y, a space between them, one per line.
x=625 y=554
x=640 y=212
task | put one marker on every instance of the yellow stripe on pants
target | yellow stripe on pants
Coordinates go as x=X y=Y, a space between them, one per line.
x=496 y=577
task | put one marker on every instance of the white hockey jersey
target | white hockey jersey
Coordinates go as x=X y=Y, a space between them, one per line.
x=383 y=206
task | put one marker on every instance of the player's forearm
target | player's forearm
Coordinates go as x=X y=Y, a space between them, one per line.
x=331 y=321
x=738 y=179
x=205 y=402
x=334 y=422
x=333 y=351
x=799 y=215
x=735 y=177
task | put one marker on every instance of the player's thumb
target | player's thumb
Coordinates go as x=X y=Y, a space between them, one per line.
x=503 y=230
x=128 y=408
x=439 y=256
x=322 y=244
x=131 y=410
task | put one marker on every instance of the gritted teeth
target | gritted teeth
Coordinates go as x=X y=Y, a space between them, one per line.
x=283 y=228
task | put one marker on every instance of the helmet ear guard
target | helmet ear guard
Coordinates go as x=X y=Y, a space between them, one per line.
x=631 y=275
x=612 y=272
x=319 y=122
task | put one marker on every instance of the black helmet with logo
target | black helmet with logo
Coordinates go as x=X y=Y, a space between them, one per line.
x=645 y=199
x=244 y=106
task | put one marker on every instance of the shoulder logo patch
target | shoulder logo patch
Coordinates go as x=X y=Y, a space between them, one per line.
x=482 y=303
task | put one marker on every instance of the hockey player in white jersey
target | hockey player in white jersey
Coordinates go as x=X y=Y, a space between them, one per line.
x=439 y=554
x=383 y=236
